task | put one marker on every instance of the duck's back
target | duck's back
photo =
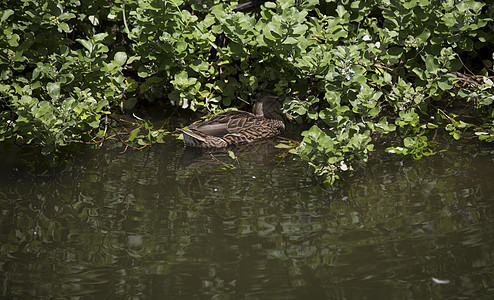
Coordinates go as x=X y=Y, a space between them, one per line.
x=226 y=123
x=259 y=128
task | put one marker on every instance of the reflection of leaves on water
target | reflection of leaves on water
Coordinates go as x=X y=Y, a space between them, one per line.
x=260 y=153
x=124 y=223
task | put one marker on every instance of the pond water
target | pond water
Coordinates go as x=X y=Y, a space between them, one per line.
x=170 y=223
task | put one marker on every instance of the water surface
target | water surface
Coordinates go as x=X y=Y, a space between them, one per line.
x=169 y=223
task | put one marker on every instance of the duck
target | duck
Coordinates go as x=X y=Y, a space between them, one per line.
x=235 y=127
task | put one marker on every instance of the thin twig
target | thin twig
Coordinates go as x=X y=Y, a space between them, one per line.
x=459 y=58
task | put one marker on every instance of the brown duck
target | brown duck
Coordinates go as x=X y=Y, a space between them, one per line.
x=237 y=127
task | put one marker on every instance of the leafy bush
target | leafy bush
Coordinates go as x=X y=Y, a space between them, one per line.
x=57 y=76
x=351 y=70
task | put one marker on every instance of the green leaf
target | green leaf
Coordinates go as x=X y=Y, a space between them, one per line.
x=430 y=64
x=94 y=124
x=133 y=134
x=86 y=44
x=100 y=37
x=424 y=35
x=101 y=105
x=129 y=103
x=199 y=66
x=284 y=146
x=270 y=5
x=142 y=72
x=133 y=58
x=340 y=9
x=66 y=16
x=64 y=27
x=387 y=77
x=272 y=31
x=6 y=14
x=13 y=40
x=43 y=108
x=449 y=19
x=408 y=142
x=53 y=90
x=374 y=111
x=36 y=73
x=444 y=84
x=94 y=20
x=181 y=46
x=299 y=29
x=120 y=58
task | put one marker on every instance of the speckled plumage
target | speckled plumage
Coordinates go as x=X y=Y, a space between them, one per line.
x=237 y=127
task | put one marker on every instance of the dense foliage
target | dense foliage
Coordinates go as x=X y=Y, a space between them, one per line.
x=352 y=70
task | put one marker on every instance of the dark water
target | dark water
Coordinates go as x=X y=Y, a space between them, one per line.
x=165 y=224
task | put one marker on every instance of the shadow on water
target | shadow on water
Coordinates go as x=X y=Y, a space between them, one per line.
x=169 y=222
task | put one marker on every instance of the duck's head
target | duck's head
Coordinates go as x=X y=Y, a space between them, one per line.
x=268 y=106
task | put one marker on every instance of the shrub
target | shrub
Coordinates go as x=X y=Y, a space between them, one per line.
x=353 y=71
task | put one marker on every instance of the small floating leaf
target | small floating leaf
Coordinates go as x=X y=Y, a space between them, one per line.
x=284 y=145
x=440 y=281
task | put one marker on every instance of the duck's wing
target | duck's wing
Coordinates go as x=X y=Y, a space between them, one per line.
x=261 y=128
x=196 y=138
x=225 y=123
x=216 y=129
